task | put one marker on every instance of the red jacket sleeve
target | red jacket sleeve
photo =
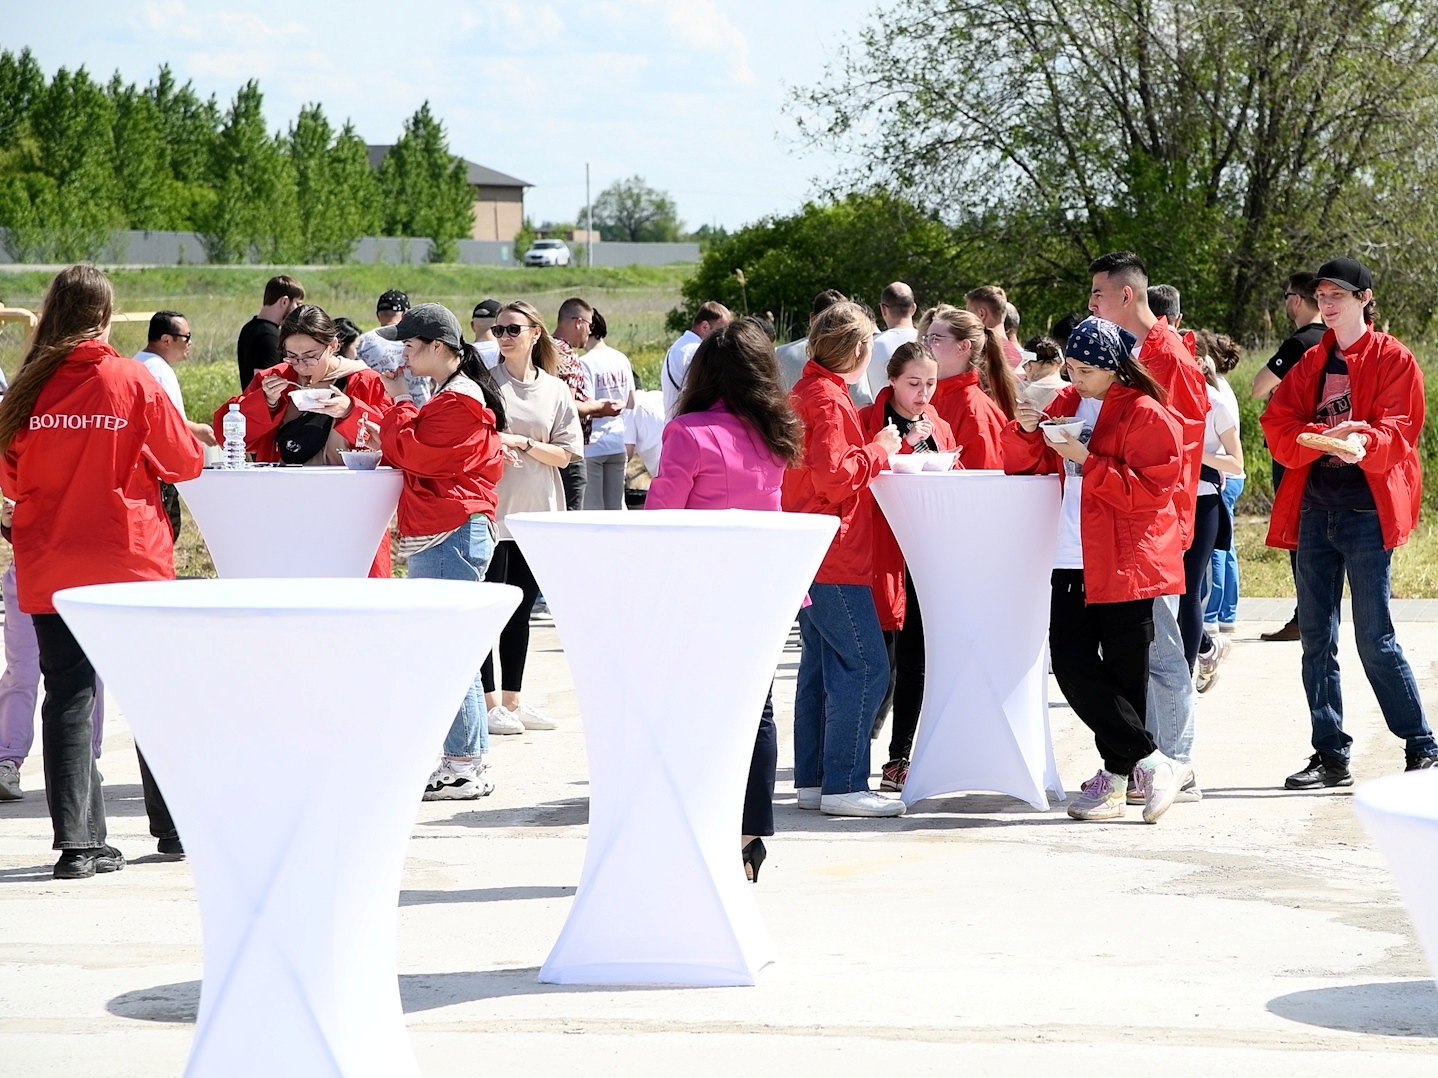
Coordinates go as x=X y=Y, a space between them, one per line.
x=678 y=457
x=1151 y=467
x=368 y=400
x=1028 y=453
x=441 y=442
x=1290 y=411
x=174 y=454
x=837 y=469
x=1397 y=413
x=261 y=421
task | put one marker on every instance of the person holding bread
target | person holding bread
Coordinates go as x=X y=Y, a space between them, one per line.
x=1344 y=424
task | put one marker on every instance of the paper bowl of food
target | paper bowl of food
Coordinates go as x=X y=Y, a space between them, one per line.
x=907 y=464
x=938 y=462
x=307 y=400
x=360 y=460
x=1055 y=429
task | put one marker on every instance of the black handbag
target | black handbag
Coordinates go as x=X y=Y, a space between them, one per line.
x=301 y=439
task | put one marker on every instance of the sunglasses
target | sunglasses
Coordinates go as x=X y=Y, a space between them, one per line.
x=513 y=329
x=181 y=336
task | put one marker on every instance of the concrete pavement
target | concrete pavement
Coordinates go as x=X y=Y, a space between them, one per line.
x=1257 y=931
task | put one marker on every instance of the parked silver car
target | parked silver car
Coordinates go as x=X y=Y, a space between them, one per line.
x=547 y=253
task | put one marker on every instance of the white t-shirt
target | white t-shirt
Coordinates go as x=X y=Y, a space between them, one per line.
x=676 y=368
x=1218 y=420
x=1231 y=399
x=380 y=355
x=644 y=427
x=608 y=376
x=885 y=345
x=488 y=351
x=165 y=375
x=1069 y=553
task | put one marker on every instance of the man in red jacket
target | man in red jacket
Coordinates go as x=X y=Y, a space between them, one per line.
x=1120 y=294
x=1344 y=510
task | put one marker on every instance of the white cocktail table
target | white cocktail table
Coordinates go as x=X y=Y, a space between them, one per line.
x=981 y=547
x=671 y=671
x=244 y=694
x=1401 y=813
x=293 y=522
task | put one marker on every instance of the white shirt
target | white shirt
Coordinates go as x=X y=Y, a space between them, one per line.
x=1069 y=553
x=381 y=355
x=676 y=368
x=608 y=376
x=488 y=351
x=885 y=344
x=1218 y=420
x=165 y=375
x=1231 y=399
x=644 y=427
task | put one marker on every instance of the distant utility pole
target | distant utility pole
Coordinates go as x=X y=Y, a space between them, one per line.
x=588 y=220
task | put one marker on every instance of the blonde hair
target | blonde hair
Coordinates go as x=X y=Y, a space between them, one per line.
x=544 y=354
x=986 y=354
x=836 y=334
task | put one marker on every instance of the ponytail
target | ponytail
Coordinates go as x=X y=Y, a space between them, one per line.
x=471 y=365
x=999 y=380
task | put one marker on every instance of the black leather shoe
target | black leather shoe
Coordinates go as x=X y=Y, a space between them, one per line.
x=1287 y=634
x=1321 y=771
x=1421 y=763
x=171 y=847
x=82 y=864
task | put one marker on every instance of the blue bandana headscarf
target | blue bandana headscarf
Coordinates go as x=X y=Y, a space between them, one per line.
x=1097 y=342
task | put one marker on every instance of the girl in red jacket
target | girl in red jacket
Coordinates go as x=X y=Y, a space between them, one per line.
x=87 y=437
x=451 y=453
x=843 y=670
x=977 y=390
x=906 y=404
x=277 y=431
x=1118 y=547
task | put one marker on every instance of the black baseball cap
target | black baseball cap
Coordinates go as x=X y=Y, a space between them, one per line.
x=432 y=321
x=393 y=300
x=487 y=308
x=1347 y=273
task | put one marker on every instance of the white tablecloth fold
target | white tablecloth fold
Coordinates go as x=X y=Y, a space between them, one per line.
x=670 y=668
x=980 y=546
x=256 y=703
x=1401 y=814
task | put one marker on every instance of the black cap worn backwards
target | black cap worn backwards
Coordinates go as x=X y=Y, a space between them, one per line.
x=430 y=321
x=393 y=300
x=1347 y=273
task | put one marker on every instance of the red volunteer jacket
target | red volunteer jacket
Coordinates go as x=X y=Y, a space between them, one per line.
x=449 y=451
x=1132 y=547
x=1172 y=365
x=888 y=585
x=85 y=474
x=834 y=474
x=1386 y=385
x=262 y=422
x=977 y=422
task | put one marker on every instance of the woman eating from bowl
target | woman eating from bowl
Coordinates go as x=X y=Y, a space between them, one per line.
x=976 y=393
x=451 y=454
x=907 y=403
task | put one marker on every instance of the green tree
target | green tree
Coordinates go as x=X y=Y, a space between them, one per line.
x=337 y=192
x=256 y=213
x=631 y=211
x=426 y=188
x=22 y=82
x=1228 y=141
x=191 y=131
x=142 y=171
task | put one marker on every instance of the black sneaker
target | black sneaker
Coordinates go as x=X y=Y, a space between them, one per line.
x=1321 y=771
x=82 y=864
x=171 y=847
x=1421 y=763
x=1287 y=634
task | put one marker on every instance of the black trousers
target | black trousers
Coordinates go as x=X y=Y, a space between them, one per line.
x=1278 y=470
x=759 y=795
x=906 y=676
x=1099 y=653
x=161 y=825
x=72 y=781
x=575 y=479
x=170 y=500
x=508 y=566
x=1207 y=519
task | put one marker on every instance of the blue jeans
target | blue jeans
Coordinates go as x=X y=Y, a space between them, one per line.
x=843 y=675
x=463 y=555
x=1169 y=715
x=1223 y=599
x=1330 y=544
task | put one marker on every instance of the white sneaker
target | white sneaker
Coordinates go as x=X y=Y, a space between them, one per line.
x=1100 y=798
x=1206 y=669
x=459 y=782
x=9 y=781
x=1163 y=779
x=1190 y=792
x=809 y=796
x=503 y=721
x=860 y=803
x=533 y=720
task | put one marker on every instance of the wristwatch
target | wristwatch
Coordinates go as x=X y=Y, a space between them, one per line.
x=528 y=443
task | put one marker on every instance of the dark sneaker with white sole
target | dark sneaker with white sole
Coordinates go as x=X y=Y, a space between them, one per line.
x=1421 y=763
x=171 y=847
x=1321 y=771
x=82 y=864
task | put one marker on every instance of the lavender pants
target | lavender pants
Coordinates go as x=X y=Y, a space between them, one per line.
x=20 y=684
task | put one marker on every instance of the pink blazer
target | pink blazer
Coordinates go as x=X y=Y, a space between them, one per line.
x=714 y=460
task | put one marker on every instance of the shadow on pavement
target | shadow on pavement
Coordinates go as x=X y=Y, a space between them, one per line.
x=1389 y=1008
x=483 y=894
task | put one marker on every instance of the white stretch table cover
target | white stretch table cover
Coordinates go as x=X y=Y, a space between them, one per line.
x=980 y=546
x=257 y=702
x=671 y=674
x=293 y=522
x=1401 y=814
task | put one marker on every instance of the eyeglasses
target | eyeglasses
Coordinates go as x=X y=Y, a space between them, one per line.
x=182 y=336
x=292 y=359
x=511 y=329
x=1292 y=295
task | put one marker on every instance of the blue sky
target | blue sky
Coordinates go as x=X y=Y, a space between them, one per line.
x=686 y=93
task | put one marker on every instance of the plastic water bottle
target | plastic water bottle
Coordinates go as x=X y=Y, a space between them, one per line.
x=234 y=431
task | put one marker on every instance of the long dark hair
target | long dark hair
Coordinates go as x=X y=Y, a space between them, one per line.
x=77 y=308
x=736 y=365
x=471 y=365
x=1135 y=375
